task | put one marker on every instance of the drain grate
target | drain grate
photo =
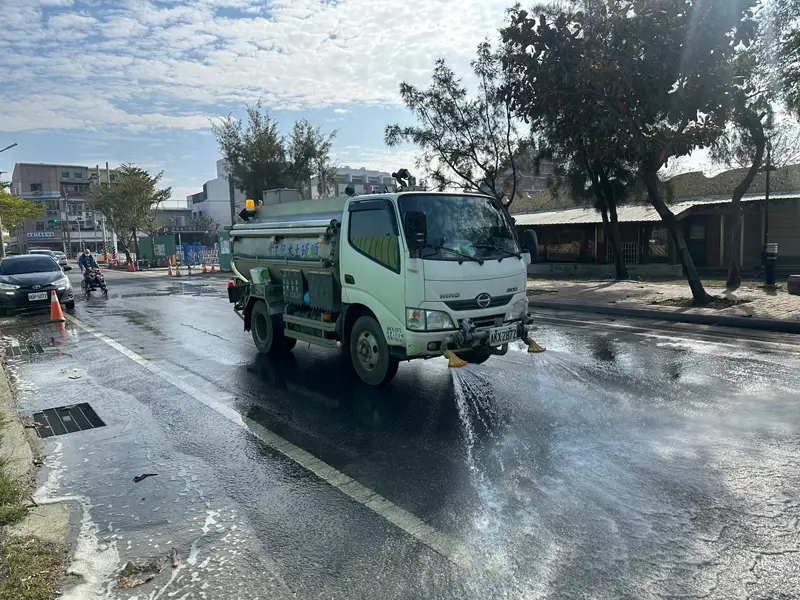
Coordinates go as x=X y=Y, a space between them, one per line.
x=66 y=419
x=23 y=350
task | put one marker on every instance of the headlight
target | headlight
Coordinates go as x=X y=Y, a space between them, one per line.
x=8 y=286
x=61 y=283
x=418 y=319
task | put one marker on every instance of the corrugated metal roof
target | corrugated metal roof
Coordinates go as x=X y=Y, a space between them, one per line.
x=635 y=213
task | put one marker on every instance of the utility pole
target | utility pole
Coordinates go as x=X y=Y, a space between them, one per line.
x=766 y=195
x=2 y=241
x=232 y=199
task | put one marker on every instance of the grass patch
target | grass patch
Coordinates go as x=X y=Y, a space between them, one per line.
x=30 y=569
x=717 y=303
x=12 y=500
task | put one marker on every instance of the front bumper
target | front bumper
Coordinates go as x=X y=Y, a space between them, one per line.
x=434 y=343
x=18 y=299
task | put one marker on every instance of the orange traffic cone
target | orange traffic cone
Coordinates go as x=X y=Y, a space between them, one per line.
x=212 y=269
x=56 y=314
x=204 y=269
x=169 y=272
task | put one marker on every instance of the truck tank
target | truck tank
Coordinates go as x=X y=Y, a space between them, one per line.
x=296 y=242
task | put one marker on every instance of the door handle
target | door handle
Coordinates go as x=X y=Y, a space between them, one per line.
x=349 y=279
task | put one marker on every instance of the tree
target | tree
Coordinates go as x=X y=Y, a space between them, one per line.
x=630 y=82
x=467 y=142
x=308 y=151
x=206 y=224
x=130 y=205
x=254 y=152
x=260 y=159
x=14 y=211
x=784 y=33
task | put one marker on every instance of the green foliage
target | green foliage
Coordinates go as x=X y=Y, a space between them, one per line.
x=260 y=158
x=785 y=51
x=208 y=225
x=467 y=142
x=130 y=204
x=629 y=82
x=15 y=210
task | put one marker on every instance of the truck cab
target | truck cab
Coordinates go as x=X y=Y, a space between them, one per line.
x=393 y=277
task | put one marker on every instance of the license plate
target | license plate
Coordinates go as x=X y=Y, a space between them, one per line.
x=37 y=296
x=502 y=335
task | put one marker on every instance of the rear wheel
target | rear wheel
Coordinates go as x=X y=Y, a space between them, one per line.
x=369 y=353
x=267 y=331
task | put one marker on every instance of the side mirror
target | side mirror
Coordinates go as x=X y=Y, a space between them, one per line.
x=532 y=244
x=416 y=225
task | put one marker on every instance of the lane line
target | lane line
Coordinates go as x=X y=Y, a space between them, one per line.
x=412 y=525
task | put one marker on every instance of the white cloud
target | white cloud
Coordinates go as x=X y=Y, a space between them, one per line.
x=96 y=63
x=341 y=111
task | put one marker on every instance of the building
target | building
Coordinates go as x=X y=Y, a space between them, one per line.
x=69 y=223
x=572 y=240
x=362 y=180
x=215 y=199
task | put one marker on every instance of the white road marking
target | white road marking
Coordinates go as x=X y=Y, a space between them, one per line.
x=419 y=530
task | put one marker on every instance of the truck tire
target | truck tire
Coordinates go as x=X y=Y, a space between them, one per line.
x=369 y=353
x=476 y=357
x=267 y=331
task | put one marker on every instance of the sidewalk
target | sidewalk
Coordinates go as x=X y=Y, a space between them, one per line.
x=748 y=307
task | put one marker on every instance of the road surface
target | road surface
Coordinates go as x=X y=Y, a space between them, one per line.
x=631 y=460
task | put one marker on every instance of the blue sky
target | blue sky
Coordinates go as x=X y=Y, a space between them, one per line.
x=90 y=81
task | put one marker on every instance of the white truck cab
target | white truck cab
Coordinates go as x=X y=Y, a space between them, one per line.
x=390 y=277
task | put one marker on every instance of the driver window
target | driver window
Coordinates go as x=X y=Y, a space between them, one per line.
x=374 y=234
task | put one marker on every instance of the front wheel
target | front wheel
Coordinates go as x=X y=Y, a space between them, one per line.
x=267 y=331
x=69 y=304
x=369 y=353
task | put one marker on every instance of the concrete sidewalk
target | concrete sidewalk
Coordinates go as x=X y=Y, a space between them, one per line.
x=754 y=308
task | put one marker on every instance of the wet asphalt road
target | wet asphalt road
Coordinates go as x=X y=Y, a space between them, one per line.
x=631 y=460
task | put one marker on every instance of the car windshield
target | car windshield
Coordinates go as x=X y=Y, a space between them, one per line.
x=474 y=226
x=31 y=264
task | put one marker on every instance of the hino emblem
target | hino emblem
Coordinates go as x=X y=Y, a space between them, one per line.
x=483 y=300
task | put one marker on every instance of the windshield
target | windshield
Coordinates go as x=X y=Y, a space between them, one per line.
x=32 y=264
x=469 y=225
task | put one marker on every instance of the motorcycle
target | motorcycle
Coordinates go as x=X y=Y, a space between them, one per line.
x=92 y=280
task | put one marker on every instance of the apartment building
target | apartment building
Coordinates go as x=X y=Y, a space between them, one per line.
x=215 y=199
x=362 y=180
x=69 y=223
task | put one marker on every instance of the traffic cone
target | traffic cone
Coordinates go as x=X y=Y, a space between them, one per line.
x=56 y=314
x=204 y=268
x=169 y=271
x=212 y=269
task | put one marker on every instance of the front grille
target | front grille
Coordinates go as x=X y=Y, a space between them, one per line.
x=472 y=303
x=487 y=321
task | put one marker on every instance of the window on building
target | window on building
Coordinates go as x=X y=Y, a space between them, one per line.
x=658 y=245
x=39 y=225
x=374 y=234
x=36 y=187
x=77 y=175
x=113 y=177
x=64 y=174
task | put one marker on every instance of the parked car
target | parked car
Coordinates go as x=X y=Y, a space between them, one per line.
x=57 y=256
x=26 y=282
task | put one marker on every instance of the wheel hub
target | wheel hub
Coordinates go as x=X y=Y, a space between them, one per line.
x=367 y=351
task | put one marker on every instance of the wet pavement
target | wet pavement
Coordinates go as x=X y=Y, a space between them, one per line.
x=631 y=460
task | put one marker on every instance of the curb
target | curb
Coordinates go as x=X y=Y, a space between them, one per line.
x=772 y=325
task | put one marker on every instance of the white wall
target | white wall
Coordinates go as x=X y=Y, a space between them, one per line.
x=217 y=202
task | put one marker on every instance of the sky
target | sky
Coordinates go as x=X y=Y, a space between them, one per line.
x=139 y=81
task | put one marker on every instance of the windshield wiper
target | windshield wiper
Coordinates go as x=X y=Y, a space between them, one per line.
x=498 y=249
x=457 y=253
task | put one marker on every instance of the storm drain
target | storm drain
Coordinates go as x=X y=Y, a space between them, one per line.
x=66 y=419
x=24 y=350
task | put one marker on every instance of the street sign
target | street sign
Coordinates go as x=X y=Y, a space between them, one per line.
x=41 y=234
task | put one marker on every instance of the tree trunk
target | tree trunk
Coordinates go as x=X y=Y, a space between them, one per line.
x=701 y=297
x=756 y=129
x=136 y=244
x=616 y=244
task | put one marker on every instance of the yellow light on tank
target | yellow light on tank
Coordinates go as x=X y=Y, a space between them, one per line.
x=250 y=204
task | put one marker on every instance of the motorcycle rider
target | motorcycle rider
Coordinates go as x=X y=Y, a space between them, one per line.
x=86 y=262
